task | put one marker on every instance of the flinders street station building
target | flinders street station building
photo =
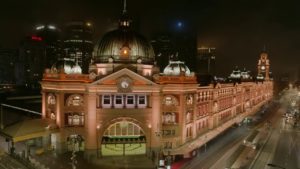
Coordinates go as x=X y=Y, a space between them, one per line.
x=126 y=106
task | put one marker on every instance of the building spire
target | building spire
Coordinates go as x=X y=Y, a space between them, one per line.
x=264 y=48
x=124 y=7
x=124 y=21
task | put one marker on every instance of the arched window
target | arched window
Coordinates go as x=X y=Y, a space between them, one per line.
x=75 y=100
x=189 y=99
x=124 y=129
x=169 y=118
x=188 y=117
x=170 y=100
x=51 y=99
x=75 y=119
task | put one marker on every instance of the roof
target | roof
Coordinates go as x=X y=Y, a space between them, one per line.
x=27 y=129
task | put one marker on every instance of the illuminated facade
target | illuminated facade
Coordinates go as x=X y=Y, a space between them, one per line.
x=125 y=106
x=263 y=67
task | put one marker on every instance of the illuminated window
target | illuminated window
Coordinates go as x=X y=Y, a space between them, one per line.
x=170 y=100
x=125 y=50
x=169 y=118
x=75 y=119
x=75 y=100
x=51 y=99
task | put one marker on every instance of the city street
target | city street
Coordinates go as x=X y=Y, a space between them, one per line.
x=282 y=150
x=219 y=150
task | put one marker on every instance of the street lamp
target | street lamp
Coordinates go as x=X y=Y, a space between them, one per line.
x=97 y=135
x=150 y=149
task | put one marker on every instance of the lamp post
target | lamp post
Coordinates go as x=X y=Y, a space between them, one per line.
x=150 y=130
x=158 y=134
x=97 y=135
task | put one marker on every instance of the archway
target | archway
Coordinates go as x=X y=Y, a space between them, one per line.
x=123 y=137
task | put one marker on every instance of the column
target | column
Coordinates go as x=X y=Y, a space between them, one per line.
x=90 y=126
x=156 y=145
x=60 y=116
x=44 y=104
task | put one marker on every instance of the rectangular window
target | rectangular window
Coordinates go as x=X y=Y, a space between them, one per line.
x=119 y=99
x=106 y=99
x=130 y=100
x=142 y=100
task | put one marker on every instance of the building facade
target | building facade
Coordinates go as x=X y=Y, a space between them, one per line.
x=125 y=106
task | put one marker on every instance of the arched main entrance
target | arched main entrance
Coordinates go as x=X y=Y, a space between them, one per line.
x=123 y=137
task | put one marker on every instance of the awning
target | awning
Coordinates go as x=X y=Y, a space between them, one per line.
x=27 y=129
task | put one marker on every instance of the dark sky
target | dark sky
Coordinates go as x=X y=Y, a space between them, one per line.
x=237 y=28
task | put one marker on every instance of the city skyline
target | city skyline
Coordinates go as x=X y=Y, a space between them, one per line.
x=239 y=30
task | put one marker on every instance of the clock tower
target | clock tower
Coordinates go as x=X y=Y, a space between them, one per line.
x=263 y=66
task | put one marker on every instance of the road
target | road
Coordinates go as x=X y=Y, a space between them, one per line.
x=282 y=150
x=222 y=147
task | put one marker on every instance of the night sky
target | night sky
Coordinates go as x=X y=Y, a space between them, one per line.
x=239 y=29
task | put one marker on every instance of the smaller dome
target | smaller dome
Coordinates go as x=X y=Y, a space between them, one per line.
x=176 y=68
x=66 y=65
x=236 y=73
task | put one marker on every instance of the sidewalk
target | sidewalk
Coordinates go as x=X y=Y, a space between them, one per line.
x=63 y=161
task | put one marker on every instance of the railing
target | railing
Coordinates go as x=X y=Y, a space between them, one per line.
x=176 y=79
x=66 y=77
x=124 y=59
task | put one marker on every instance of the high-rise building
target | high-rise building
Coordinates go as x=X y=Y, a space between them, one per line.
x=37 y=52
x=185 y=45
x=206 y=64
x=78 y=42
x=51 y=40
x=164 y=49
x=206 y=61
x=7 y=60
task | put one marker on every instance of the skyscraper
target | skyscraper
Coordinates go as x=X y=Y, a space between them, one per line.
x=78 y=42
x=36 y=52
x=206 y=64
x=7 y=60
x=163 y=48
x=206 y=60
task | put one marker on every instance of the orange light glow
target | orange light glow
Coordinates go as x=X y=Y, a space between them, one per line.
x=125 y=52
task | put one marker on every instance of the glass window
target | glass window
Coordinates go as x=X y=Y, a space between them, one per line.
x=106 y=99
x=51 y=99
x=76 y=119
x=142 y=99
x=130 y=99
x=75 y=100
x=168 y=100
x=119 y=99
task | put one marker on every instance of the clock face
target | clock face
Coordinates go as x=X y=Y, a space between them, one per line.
x=263 y=67
x=124 y=84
